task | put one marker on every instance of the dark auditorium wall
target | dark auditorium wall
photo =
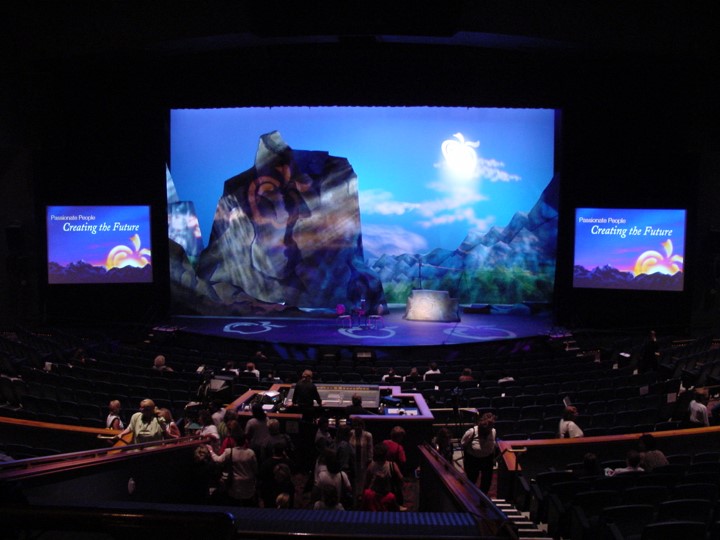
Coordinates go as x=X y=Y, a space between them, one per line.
x=635 y=130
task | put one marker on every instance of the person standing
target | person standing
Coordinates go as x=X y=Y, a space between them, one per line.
x=242 y=466
x=113 y=420
x=147 y=425
x=306 y=395
x=479 y=446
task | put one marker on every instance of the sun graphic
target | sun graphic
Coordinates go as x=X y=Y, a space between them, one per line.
x=461 y=159
x=652 y=262
x=122 y=256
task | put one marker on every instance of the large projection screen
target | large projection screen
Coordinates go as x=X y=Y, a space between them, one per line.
x=629 y=248
x=272 y=208
x=98 y=244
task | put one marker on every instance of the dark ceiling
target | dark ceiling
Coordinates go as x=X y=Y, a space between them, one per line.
x=62 y=30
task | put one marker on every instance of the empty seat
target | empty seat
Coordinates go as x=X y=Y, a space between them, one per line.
x=665 y=530
x=686 y=509
x=626 y=521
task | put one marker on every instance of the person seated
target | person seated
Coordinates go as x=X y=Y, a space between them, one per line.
x=568 y=429
x=230 y=369
x=633 y=465
x=432 y=370
x=466 y=375
x=650 y=457
x=356 y=406
x=698 y=411
x=250 y=369
x=159 y=364
x=413 y=376
x=391 y=376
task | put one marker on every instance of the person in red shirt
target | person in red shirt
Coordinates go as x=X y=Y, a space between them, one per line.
x=378 y=497
x=396 y=453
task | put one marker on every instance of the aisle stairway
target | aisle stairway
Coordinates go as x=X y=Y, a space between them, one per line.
x=526 y=528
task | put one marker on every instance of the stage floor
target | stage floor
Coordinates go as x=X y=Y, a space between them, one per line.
x=395 y=331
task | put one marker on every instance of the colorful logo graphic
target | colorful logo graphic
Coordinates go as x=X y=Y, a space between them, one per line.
x=122 y=256
x=652 y=262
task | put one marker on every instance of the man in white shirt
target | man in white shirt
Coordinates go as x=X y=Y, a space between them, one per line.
x=698 y=411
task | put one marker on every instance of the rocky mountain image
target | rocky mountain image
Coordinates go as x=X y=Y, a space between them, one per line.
x=508 y=264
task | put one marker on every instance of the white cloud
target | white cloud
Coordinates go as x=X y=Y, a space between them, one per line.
x=391 y=240
x=460 y=214
x=491 y=169
x=377 y=201
x=457 y=196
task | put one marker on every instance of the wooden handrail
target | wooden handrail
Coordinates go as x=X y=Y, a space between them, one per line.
x=508 y=446
x=22 y=469
x=489 y=518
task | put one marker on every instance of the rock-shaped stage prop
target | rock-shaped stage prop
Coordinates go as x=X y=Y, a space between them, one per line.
x=286 y=232
x=428 y=305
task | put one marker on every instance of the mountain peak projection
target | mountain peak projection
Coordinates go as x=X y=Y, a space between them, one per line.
x=286 y=233
x=510 y=264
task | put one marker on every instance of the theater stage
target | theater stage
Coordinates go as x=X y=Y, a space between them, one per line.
x=491 y=323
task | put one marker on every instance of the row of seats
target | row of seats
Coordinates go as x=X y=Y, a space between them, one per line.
x=572 y=506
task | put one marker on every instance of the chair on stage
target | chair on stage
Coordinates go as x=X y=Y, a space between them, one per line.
x=376 y=320
x=343 y=317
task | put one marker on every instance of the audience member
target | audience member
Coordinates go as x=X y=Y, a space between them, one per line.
x=283 y=485
x=203 y=475
x=356 y=406
x=172 y=431
x=146 y=425
x=208 y=428
x=632 y=461
x=276 y=436
x=362 y=443
x=381 y=465
x=413 y=376
x=442 y=442
x=396 y=454
x=113 y=420
x=432 y=370
x=590 y=466
x=267 y=486
x=306 y=395
x=271 y=377
x=231 y=438
x=223 y=426
x=697 y=410
x=250 y=369
x=282 y=502
x=345 y=451
x=230 y=368
x=243 y=468
x=650 y=457
x=323 y=437
x=568 y=429
x=328 y=499
x=391 y=376
x=466 y=375
x=257 y=431
x=479 y=448
x=649 y=359
x=378 y=497
x=332 y=475
x=159 y=364
x=80 y=358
